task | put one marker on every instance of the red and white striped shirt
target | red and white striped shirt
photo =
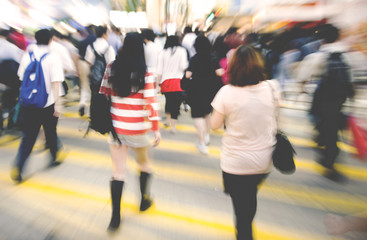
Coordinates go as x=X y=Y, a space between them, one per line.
x=130 y=114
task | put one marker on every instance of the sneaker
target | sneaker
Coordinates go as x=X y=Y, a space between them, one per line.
x=60 y=157
x=335 y=176
x=15 y=175
x=146 y=203
x=202 y=148
x=207 y=139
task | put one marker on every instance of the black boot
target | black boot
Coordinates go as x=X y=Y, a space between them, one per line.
x=146 y=201
x=116 y=192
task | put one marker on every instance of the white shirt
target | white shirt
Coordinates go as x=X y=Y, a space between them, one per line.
x=151 y=53
x=249 y=137
x=65 y=57
x=101 y=46
x=188 y=43
x=9 y=51
x=51 y=65
x=314 y=65
x=172 y=63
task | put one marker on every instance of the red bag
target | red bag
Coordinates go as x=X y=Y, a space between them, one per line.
x=359 y=138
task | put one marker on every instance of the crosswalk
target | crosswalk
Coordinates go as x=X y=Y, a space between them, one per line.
x=72 y=200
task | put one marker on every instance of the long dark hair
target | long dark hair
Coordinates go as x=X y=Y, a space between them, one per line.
x=128 y=70
x=203 y=46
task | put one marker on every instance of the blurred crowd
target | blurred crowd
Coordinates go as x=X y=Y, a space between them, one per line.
x=188 y=68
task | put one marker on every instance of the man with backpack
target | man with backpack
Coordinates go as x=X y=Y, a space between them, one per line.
x=331 y=69
x=41 y=73
x=98 y=55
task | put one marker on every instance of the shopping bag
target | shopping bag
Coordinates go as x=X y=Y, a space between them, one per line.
x=359 y=135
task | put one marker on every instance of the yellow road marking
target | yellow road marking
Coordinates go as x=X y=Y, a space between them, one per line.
x=312 y=197
x=188 y=214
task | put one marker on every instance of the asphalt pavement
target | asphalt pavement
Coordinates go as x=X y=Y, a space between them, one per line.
x=72 y=201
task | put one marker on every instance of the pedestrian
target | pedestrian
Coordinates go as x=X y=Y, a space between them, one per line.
x=34 y=118
x=10 y=56
x=172 y=64
x=332 y=69
x=205 y=73
x=151 y=51
x=247 y=108
x=84 y=67
x=133 y=100
x=188 y=41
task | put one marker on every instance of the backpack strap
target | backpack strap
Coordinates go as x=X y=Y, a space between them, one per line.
x=43 y=56
x=97 y=54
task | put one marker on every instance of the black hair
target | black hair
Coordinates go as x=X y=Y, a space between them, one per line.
x=4 y=32
x=220 y=48
x=100 y=31
x=171 y=41
x=329 y=33
x=148 y=34
x=128 y=70
x=43 y=37
x=188 y=29
x=203 y=46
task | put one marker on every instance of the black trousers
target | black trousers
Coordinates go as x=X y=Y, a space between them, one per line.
x=243 y=192
x=173 y=103
x=33 y=119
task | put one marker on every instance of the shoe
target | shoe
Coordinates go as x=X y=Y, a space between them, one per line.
x=207 y=139
x=335 y=176
x=202 y=148
x=145 y=203
x=60 y=157
x=15 y=175
x=81 y=111
x=166 y=125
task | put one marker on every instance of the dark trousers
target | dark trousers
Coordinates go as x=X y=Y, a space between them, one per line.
x=173 y=103
x=33 y=119
x=243 y=192
x=328 y=129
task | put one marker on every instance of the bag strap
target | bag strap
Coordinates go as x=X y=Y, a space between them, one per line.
x=97 y=54
x=275 y=101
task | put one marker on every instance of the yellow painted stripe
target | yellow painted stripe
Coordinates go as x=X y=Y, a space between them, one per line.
x=306 y=196
x=187 y=214
x=191 y=129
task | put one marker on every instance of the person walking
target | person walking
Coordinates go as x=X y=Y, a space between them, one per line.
x=34 y=118
x=133 y=100
x=172 y=64
x=205 y=73
x=84 y=67
x=332 y=67
x=247 y=108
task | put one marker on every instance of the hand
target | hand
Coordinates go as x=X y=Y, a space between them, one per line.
x=157 y=138
x=57 y=110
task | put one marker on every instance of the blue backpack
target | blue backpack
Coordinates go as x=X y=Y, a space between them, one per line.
x=33 y=91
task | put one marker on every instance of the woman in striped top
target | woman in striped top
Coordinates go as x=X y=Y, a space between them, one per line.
x=133 y=102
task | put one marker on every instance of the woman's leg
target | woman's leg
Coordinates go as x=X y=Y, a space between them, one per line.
x=200 y=125
x=207 y=130
x=243 y=192
x=144 y=178
x=118 y=156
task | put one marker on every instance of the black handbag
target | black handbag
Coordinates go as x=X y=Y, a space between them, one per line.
x=283 y=153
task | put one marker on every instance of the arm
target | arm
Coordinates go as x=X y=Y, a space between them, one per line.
x=56 y=90
x=216 y=120
x=153 y=107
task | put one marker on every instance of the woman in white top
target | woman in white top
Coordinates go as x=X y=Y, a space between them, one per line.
x=172 y=63
x=246 y=107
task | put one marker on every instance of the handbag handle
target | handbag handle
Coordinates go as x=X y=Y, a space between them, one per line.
x=275 y=102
